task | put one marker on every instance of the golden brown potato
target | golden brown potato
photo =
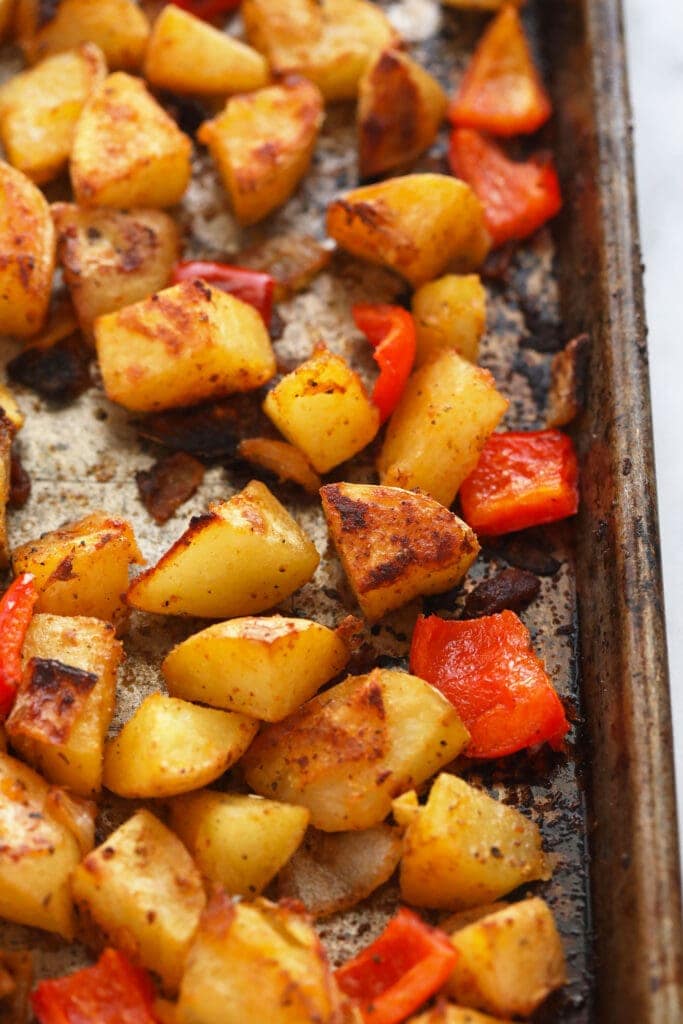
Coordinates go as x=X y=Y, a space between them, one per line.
x=346 y=753
x=76 y=814
x=181 y=346
x=147 y=159
x=447 y=1013
x=395 y=545
x=243 y=556
x=187 y=55
x=66 y=699
x=264 y=667
x=437 y=431
x=142 y=891
x=449 y=313
x=509 y=961
x=118 y=27
x=170 y=746
x=10 y=408
x=282 y=459
x=464 y=848
x=27 y=244
x=263 y=143
x=400 y=108
x=111 y=258
x=82 y=568
x=418 y=225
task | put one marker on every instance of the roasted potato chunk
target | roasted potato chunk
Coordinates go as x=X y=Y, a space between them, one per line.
x=147 y=156
x=118 y=27
x=400 y=108
x=419 y=225
x=66 y=699
x=142 y=891
x=10 y=408
x=449 y=313
x=187 y=55
x=82 y=568
x=509 y=961
x=263 y=143
x=440 y=426
x=265 y=667
x=182 y=346
x=395 y=545
x=243 y=556
x=349 y=751
x=111 y=258
x=464 y=848
x=170 y=746
x=27 y=244
x=447 y=1013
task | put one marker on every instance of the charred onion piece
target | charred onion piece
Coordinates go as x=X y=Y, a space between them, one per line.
x=513 y=589
x=282 y=459
x=20 y=482
x=168 y=484
x=293 y=260
x=566 y=396
x=212 y=430
x=59 y=373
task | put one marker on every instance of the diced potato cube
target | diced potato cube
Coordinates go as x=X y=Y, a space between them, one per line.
x=118 y=27
x=323 y=409
x=171 y=746
x=147 y=156
x=265 y=667
x=395 y=545
x=440 y=426
x=418 y=225
x=27 y=243
x=181 y=346
x=111 y=258
x=187 y=55
x=509 y=961
x=449 y=313
x=236 y=840
x=447 y=1013
x=464 y=848
x=243 y=556
x=263 y=143
x=37 y=853
x=348 y=752
x=82 y=568
x=66 y=700
x=142 y=891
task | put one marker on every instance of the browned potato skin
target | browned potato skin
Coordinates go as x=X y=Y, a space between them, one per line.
x=118 y=27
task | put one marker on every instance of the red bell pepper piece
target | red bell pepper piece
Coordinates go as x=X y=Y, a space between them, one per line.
x=391 y=332
x=523 y=478
x=16 y=609
x=406 y=965
x=490 y=673
x=517 y=197
x=208 y=10
x=501 y=91
x=113 y=991
x=252 y=286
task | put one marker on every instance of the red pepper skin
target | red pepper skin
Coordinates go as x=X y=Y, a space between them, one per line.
x=518 y=198
x=113 y=991
x=501 y=91
x=208 y=10
x=16 y=610
x=523 y=478
x=407 y=964
x=250 y=286
x=489 y=672
x=391 y=332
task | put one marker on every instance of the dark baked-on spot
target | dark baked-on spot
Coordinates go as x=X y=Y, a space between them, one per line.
x=512 y=589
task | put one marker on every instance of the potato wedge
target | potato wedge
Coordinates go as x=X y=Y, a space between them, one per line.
x=118 y=27
x=264 y=667
x=464 y=848
x=170 y=746
x=418 y=225
x=66 y=699
x=349 y=751
x=82 y=568
x=243 y=556
x=182 y=346
x=400 y=108
x=395 y=545
x=262 y=144
x=187 y=55
x=449 y=313
x=111 y=258
x=447 y=1013
x=147 y=156
x=27 y=243
x=142 y=892
x=440 y=426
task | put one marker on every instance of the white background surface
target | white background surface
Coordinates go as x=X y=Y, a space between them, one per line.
x=655 y=45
